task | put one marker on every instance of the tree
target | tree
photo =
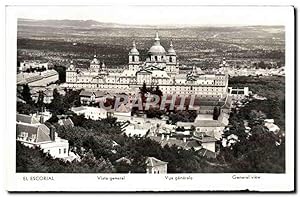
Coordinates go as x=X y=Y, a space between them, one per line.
x=158 y=91
x=34 y=160
x=57 y=105
x=25 y=108
x=144 y=90
x=61 y=73
x=53 y=119
x=26 y=94
x=40 y=102
x=216 y=113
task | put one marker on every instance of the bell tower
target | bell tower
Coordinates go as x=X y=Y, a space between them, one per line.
x=133 y=57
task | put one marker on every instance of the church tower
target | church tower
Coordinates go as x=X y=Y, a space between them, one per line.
x=171 y=55
x=171 y=65
x=71 y=73
x=134 y=58
x=95 y=64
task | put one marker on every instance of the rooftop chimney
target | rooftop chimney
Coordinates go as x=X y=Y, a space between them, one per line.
x=42 y=119
x=52 y=133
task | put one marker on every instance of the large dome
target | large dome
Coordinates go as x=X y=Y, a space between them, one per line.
x=157 y=49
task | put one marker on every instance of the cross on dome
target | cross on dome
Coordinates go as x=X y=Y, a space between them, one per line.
x=171 y=44
x=156 y=36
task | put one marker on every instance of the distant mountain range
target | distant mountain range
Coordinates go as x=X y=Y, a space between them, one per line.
x=97 y=24
x=76 y=23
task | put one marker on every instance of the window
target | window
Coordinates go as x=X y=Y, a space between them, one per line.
x=65 y=150
x=59 y=151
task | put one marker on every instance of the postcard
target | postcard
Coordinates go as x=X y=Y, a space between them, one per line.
x=144 y=98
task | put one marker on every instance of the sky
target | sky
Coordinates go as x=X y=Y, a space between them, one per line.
x=161 y=15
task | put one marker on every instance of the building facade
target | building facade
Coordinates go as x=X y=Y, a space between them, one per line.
x=156 y=166
x=161 y=68
x=33 y=134
x=94 y=113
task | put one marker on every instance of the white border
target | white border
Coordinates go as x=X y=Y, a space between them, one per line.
x=138 y=182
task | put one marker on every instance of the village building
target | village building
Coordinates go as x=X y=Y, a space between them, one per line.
x=205 y=123
x=67 y=122
x=239 y=93
x=26 y=65
x=183 y=142
x=94 y=113
x=33 y=134
x=156 y=166
x=90 y=97
x=37 y=79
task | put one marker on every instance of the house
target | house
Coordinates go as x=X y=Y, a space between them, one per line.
x=27 y=119
x=94 y=113
x=33 y=65
x=184 y=143
x=209 y=126
x=239 y=93
x=207 y=142
x=206 y=123
x=134 y=129
x=67 y=122
x=156 y=166
x=269 y=123
x=122 y=113
x=34 y=134
x=88 y=97
x=38 y=79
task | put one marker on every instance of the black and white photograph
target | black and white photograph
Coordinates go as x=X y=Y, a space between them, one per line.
x=179 y=94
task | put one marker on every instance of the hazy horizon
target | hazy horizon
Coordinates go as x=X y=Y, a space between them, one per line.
x=161 y=15
x=161 y=25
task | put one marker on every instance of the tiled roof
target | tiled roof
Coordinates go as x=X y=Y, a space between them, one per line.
x=99 y=94
x=33 y=78
x=40 y=131
x=124 y=159
x=66 y=122
x=207 y=153
x=90 y=93
x=177 y=142
x=204 y=139
x=85 y=93
x=192 y=144
x=152 y=161
x=49 y=73
x=27 y=119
